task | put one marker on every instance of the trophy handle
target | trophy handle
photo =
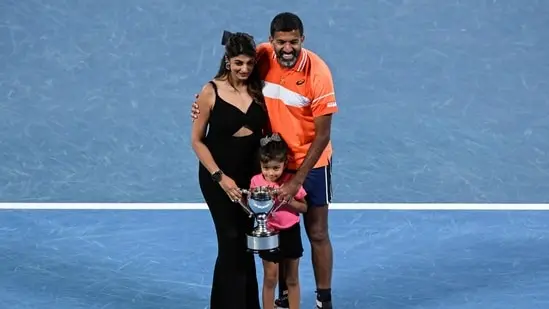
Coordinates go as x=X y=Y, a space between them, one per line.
x=274 y=195
x=275 y=209
x=243 y=203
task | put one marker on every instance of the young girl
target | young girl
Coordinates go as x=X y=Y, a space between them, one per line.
x=273 y=154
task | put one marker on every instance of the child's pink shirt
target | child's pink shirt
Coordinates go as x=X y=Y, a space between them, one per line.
x=285 y=217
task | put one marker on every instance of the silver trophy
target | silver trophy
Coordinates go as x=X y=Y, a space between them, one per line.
x=260 y=204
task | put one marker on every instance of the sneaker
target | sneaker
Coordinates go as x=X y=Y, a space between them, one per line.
x=282 y=303
x=323 y=304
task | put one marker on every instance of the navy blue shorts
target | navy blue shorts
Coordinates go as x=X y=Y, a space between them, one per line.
x=318 y=186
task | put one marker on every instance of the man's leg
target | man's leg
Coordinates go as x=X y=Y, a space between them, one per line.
x=318 y=186
x=319 y=190
x=316 y=225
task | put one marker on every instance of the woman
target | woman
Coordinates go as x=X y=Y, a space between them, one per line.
x=232 y=108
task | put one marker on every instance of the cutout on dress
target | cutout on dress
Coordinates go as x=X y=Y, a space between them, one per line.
x=243 y=132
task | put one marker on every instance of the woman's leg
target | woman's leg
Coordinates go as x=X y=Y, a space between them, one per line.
x=234 y=282
x=248 y=260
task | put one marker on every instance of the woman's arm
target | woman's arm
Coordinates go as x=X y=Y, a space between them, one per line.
x=205 y=103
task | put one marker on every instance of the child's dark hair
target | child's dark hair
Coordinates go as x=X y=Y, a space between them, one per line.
x=273 y=148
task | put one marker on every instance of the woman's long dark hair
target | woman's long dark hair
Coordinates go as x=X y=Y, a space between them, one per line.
x=243 y=44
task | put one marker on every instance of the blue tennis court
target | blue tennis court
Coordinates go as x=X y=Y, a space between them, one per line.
x=384 y=259
x=440 y=103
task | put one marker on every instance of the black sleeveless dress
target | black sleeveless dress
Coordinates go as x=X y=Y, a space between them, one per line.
x=234 y=281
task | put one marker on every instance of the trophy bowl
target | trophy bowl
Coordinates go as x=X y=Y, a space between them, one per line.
x=260 y=203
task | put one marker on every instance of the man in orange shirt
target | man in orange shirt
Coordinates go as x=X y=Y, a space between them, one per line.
x=300 y=99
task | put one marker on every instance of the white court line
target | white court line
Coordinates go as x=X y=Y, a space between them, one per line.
x=334 y=206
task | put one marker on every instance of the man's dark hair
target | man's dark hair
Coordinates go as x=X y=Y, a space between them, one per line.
x=286 y=22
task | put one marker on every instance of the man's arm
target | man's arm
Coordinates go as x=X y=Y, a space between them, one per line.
x=323 y=128
x=323 y=106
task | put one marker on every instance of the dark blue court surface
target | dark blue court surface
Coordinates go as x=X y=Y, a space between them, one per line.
x=385 y=260
x=441 y=101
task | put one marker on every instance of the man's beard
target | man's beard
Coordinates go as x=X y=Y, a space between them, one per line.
x=287 y=62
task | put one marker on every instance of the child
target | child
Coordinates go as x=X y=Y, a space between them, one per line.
x=273 y=155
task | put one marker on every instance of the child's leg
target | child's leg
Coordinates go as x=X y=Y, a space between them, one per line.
x=291 y=268
x=270 y=279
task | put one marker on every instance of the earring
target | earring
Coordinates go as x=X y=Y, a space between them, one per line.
x=227 y=63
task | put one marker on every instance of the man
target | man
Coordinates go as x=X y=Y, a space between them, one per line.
x=300 y=99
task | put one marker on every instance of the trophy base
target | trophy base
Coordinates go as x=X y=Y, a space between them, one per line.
x=257 y=244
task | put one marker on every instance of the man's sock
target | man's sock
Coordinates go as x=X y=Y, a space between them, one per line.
x=324 y=295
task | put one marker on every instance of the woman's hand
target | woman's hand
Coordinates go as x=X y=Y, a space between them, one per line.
x=231 y=189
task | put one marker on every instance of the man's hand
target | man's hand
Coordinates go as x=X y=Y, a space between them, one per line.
x=288 y=191
x=194 y=109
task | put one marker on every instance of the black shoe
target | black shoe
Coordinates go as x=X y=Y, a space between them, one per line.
x=323 y=304
x=282 y=303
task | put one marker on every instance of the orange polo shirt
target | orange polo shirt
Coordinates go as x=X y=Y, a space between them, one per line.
x=294 y=97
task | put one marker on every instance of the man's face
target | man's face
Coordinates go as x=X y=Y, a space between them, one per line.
x=287 y=46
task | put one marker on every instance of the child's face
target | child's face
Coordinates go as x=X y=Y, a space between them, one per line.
x=272 y=170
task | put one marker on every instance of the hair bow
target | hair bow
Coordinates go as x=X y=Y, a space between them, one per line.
x=227 y=35
x=267 y=139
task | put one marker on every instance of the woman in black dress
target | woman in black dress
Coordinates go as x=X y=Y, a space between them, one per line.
x=232 y=110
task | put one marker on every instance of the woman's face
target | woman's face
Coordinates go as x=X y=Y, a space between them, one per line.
x=241 y=66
